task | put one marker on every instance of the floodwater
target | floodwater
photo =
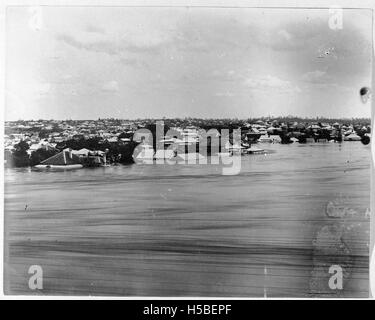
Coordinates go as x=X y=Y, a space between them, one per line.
x=273 y=230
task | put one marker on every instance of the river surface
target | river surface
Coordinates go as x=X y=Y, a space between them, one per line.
x=188 y=230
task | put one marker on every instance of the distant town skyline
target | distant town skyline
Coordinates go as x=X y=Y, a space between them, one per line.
x=317 y=118
x=134 y=63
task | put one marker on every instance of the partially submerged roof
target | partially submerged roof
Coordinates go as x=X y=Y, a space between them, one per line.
x=65 y=157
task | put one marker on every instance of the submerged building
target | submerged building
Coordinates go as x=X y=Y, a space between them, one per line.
x=74 y=159
x=65 y=159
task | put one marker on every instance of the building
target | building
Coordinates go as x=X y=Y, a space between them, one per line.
x=65 y=159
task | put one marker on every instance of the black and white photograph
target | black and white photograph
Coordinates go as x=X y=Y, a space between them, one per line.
x=187 y=151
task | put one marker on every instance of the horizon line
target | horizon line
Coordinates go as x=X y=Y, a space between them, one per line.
x=197 y=118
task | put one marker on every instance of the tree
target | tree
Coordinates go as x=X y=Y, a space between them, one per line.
x=40 y=155
x=43 y=133
x=20 y=157
x=92 y=143
x=125 y=135
x=126 y=152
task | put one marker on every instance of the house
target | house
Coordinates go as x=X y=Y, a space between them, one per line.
x=43 y=144
x=81 y=152
x=63 y=160
x=91 y=158
x=112 y=140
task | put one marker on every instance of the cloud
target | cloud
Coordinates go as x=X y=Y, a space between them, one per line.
x=150 y=42
x=224 y=94
x=94 y=29
x=66 y=76
x=314 y=76
x=129 y=61
x=285 y=34
x=281 y=40
x=271 y=83
x=97 y=46
x=111 y=86
x=133 y=62
x=231 y=75
x=43 y=88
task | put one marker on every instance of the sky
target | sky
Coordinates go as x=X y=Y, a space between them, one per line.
x=123 y=62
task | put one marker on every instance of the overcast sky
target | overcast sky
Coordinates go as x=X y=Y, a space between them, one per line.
x=86 y=63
